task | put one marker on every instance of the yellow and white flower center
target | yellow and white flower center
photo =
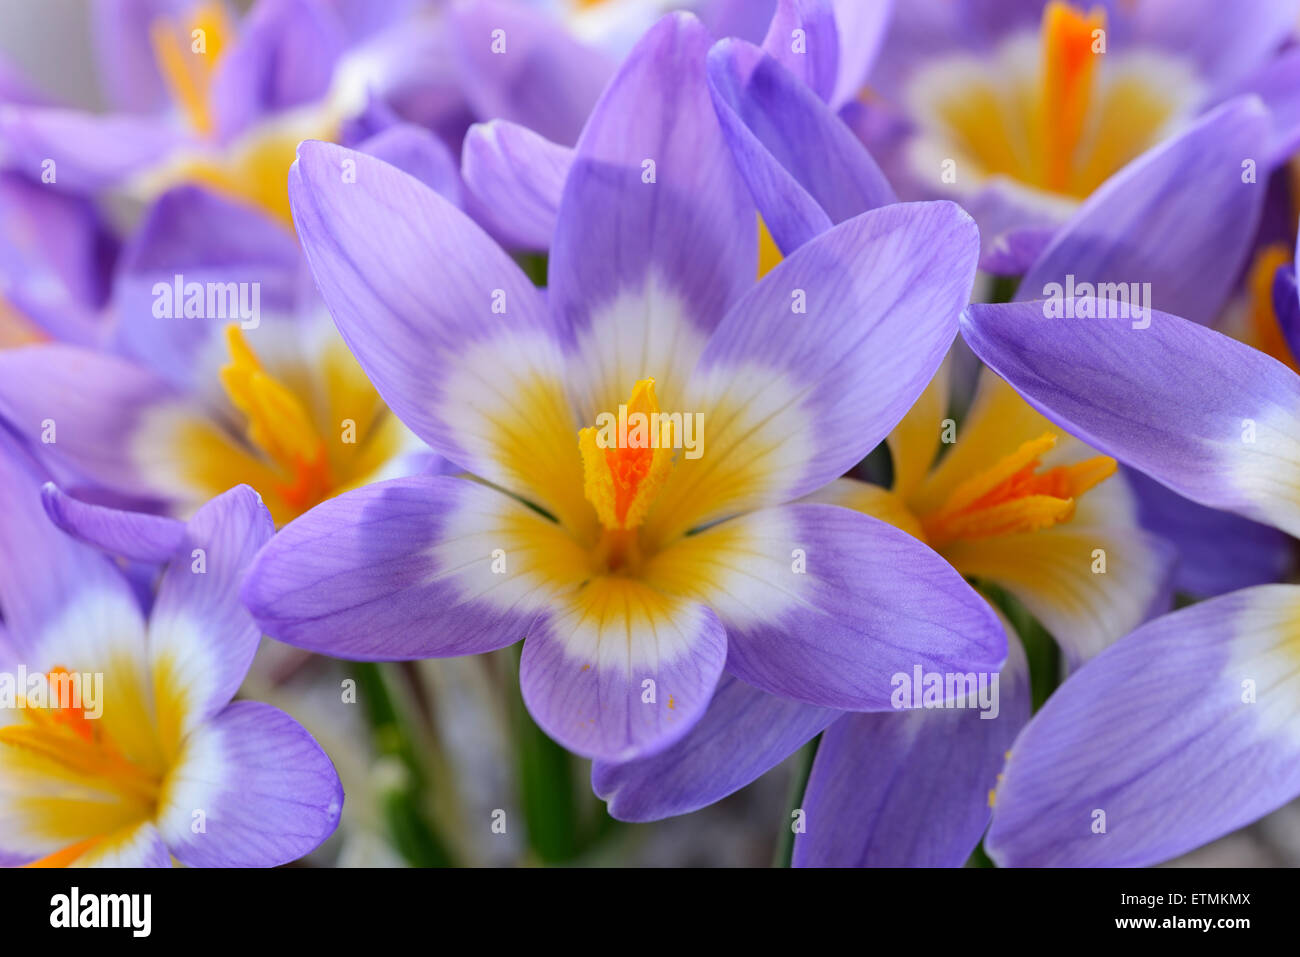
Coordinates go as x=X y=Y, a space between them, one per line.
x=98 y=786
x=1055 y=112
x=254 y=167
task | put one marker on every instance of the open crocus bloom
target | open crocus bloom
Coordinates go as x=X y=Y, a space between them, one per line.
x=152 y=761
x=1022 y=504
x=1024 y=110
x=258 y=390
x=635 y=575
x=1209 y=695
x=204 y=100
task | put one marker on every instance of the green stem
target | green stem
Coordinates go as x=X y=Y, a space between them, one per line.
x=546 y=785
x=803 y=769
x=402 y=805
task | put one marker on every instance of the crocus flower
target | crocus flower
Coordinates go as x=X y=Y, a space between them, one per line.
x=161 y=765
x=1024 y=110
x=252 y=385
x=203 y=98
x=1190 y=727
x=1015 y=501
x=634 y=575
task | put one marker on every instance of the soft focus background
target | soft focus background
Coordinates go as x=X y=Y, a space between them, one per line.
x=437 y=747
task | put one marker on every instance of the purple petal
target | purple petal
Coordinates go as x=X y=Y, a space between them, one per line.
x=200 y=237
x=1213 y=419
x=543 y=79
x=267 y=792
x=54 y=256
x=134 y=535
x=80 y=410
x=201 y=638
x=90 y=152
x=518 y=177
x=804 y=167
x=1176 y=735
x=688 y=235
x=283 y=57
x=1139 y=228
x=862 y=29
x=814 y=54
x=1218 y=552
x=43 y=572
x=881 y=292
x=618 y=671
x=824 y=605
x=417 y=151
x=404 y=569
x=744 y=734
x=911 y=789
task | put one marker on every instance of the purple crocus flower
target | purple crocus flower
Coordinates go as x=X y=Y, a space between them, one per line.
x=151 y=761
x=1015 y=502
x=1190 y=727
x=637 y=574
x=1023 y=110
x=224 y=369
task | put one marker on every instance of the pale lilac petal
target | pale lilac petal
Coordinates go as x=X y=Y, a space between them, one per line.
x=1139 y=228
x=138 y=536
x=518 y=177
x=744 y=734
x=911 y=788
x=1180 y=733
x=259 y=785
x=201 y=637
x=1213 y=419
x=404 y=569
x=804 y=167
x=803 y=38
x=618 y=672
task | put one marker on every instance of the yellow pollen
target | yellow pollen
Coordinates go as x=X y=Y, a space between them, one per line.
x=278 y=425
x=1069 y=70
x=62 y=735
x=769 y=254
x=1264 y=323
x=1013 y=496
x=187 y=55
x=626 y=458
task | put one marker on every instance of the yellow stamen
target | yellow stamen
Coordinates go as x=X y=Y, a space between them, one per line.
x=187 y=55
x=1013 y=496
x=278 y=424
x=1069 y=66
x=1266 y=329
x=63 y=736
x=625 y=462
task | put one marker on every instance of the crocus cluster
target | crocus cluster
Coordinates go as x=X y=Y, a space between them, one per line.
x=899 y=395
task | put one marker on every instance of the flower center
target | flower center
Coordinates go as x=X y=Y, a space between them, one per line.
x=65 y=743
x=278 y=425
x=626 y=458
x=187 y=53
x=1014 y=496
x=1043 y=112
